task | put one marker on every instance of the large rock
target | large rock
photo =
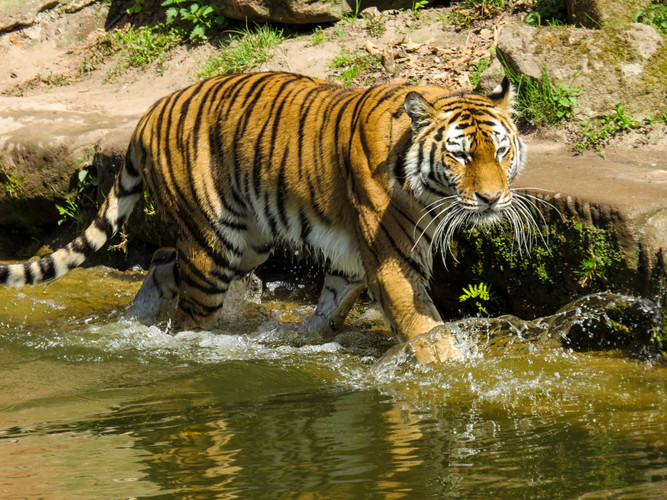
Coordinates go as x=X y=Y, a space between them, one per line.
x=14 y=15
x=301 y=11
x=596 y=13
x=609 y=66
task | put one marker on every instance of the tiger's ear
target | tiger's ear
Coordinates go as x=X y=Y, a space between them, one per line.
x=502 y=96
x=419 y=109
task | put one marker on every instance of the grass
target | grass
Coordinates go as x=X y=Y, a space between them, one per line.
x=83 y=196
x=548 y=13
x=476 y=71
x=318 y=36
x=132 y=48
x=654 y=14
x=347 y=66
x=246 y=50
x=597 y=135
x=539 y=102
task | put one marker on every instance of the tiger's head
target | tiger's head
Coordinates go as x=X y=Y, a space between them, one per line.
x=464 y=155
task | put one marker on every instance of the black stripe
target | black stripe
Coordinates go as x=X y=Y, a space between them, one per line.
x=129 y=166
x=282 y=190
x=82 y=245
x=102 y=224
x=47 y=268
x=208 y=288
x=4 y=273
x=27 y=272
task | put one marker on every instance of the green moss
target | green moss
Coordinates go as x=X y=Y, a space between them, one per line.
x=12 y=183
x=577 y=259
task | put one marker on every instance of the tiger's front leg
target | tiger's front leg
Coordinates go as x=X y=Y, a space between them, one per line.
x=403 y=297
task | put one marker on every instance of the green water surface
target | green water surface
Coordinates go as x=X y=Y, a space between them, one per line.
x=92 y=406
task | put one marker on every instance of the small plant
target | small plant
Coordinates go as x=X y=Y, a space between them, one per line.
x=12 y=184
x=539 y=101
x=547 y=13
x=318 y=36
x=655 y=14
x=597 y=136
x=194 y=19
x=137 y=6
x=477 y=69
x=376 y=27
x=480 y=295
x=245 y=50
x=349 y=66
x=83 y=196
x=121 y=246
x=418 y=6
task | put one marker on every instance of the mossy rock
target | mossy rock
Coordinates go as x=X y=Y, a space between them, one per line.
x=617 y=64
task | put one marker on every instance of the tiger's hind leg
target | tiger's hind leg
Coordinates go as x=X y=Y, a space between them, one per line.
x=338 y=295
x=159 y=292
x=205 y=276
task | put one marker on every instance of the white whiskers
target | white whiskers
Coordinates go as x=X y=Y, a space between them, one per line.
x=448 y=216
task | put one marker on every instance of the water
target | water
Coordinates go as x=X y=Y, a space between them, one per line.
x=95 y=407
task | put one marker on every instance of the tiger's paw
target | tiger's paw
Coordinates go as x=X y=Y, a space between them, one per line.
x=435 y=347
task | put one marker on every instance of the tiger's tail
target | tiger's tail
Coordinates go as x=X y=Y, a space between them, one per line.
x=127 y=189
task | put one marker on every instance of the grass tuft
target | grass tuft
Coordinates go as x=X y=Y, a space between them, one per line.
x=245 y=50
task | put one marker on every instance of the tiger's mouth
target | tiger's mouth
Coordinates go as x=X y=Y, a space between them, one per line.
x=515 y=213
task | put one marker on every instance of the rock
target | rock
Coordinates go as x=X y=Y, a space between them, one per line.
x=300 y=11
x=609 y=66
x=15 y=15
x=41 y=149
x=291 y=12
x=607 y=321
x=596 y=13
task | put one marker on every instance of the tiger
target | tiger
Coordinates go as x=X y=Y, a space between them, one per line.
x=371 y=182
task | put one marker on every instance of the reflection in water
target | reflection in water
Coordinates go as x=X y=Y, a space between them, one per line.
x=93 y=407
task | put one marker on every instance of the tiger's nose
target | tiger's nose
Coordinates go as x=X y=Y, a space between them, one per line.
x=488 y=198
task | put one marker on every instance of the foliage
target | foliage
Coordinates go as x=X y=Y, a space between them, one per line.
x=246 y=49
x=348 y=66
x=539 y=102
x=137 y=6
x=655 y=14
x=194 y=19
x=133 y=48
x=122 y=245
x=547 y=13
x=12 y=183
x=596 y=136
x=83 y=196
x=191 y=19
x=418 y=5
x=144 y=45
x=578 y=258
x=318 y=36
x=476 y=71
x=480 y=295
